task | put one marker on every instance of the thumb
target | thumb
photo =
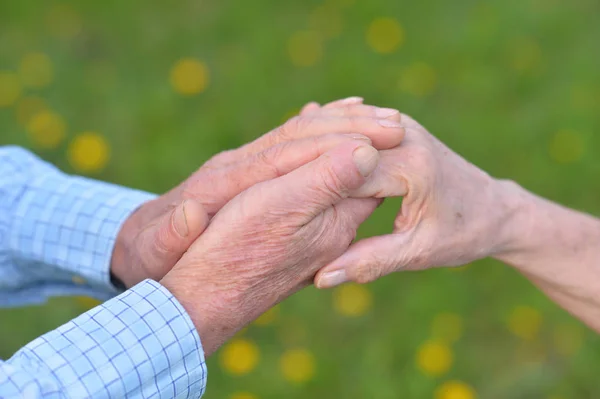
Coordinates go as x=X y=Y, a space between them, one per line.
x=327 y=180
x=162 y=244
x=365 y=261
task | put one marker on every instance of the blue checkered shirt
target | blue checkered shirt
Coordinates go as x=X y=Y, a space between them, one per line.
x=57 y=233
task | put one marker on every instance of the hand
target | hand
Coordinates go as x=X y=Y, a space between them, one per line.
x=154 y=238
x=269 y=241
x=452 y=212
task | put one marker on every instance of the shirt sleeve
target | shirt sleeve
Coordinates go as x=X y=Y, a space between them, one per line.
x=57 y=232
x=140 y=344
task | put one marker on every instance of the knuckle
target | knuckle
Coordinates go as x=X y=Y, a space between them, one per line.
x=331 y=183
x=268 y=159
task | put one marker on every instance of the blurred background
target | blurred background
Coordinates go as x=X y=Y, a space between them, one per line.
x=141 y=93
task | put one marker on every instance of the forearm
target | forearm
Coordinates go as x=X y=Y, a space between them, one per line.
x=558 y=249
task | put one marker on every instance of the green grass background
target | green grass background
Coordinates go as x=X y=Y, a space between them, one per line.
x=509 y=75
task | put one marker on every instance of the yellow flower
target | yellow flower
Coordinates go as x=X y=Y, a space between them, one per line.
x=86 y=302
x=524 y=322
x=434 y=358
x=36 y=70
x=385 y=35
x=447 y=327
x=297 y=365
x=88 y=152
x=305 y=48
x=455 y=390
x=46 y=129
x=268 y=317
x=189 y=76
x=27 y=107
x=243 y=395
x=352 y=300
x=419 y=79
x=566 y=146
x=240 y=356
x=10 y=88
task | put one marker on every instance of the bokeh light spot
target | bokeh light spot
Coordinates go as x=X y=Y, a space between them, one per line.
x=352 y=300
x=418 y=79
x=189 y=76
x=240 y=356
x=566 y=146
x=86 y=302
x=36 y=70
x=385 y=35
x=297 y=365
x=447 y=327
x=88 y=152
x=27 y=107
x=305 y=48
x=268 y=317
x=46 y=129
x=63 y=21
x=524 y=322
x=568 y=339
x=10 y=88
x=455 y=390
x=243 y=395
x=434 y=358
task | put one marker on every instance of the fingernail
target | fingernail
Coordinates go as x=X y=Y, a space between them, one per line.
x=366 y=159
x=352 y=100
x=180 y=221
x=389 y=123
x=331 y=279
x=385 y=112
x=360 y=137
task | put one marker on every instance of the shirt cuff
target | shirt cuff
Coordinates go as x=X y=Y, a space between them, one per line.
x=64 y=231
x=141 y=343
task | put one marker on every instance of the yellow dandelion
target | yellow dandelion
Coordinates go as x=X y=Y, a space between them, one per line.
x=46 y=129
x=568 y=339
x=326 y=20
x=243 y=395
x=27 y=107
x=189 y=76
x=566 y=146
x=305 y=48
x=88 y=152
x=525 y=54
x=63 y=21
x=10 y=88
x=385 y=35
x=268 y=317
x=447 y=327
x=455 y=390
x=352 y=300
x=86 y=302
x=240 y=356
x=525 y=322
x=418 y=79
x=297 y=365
x=434 y=358
x=36 y=70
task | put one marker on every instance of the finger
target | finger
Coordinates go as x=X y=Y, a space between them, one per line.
x=310 y=107
x=225 y=183
x=368 y=111
x=316 y=186
x=344 y=102
x=364 y=261
x=165 y=242
x=390 y=178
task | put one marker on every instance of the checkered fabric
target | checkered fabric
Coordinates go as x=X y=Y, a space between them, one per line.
x=57 y=233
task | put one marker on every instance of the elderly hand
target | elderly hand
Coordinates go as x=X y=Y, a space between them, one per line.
x=155 y=237
x=269 y=241
x=452 y=212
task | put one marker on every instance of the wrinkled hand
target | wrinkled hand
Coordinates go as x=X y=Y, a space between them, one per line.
x=269 y=241
x=452 y=212
x=155 y=237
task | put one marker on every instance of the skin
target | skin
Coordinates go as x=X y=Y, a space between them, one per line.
x=454 y=213
x=155 y=237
